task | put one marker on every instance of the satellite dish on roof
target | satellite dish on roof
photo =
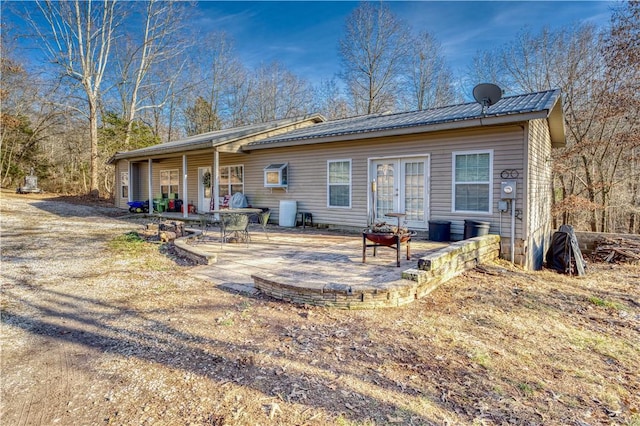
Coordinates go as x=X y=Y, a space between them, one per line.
x=487 y=94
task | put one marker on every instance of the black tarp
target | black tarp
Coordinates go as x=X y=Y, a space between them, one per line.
x=564 y=255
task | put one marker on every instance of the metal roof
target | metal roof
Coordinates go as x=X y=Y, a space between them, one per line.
x=508 y=110
x=214 y=139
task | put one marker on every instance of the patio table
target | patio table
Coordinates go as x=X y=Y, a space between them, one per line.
x=241 y=232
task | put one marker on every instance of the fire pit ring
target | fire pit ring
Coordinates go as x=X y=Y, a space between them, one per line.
x=386 y=239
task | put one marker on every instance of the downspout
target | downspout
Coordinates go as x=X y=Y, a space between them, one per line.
x=525 y=224
x=513 y=230
x=185 y=204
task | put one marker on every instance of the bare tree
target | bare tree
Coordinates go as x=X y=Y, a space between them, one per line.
x=222 y=69
x=156 y=46
x=277 y=93
x=237 y=97
x=485 y=67
x=201 y=118
x=25 y=121
x=166 y=117
x=372 y=52
x=77 y=36
x=216 y=77
x=601 y=118
x=430 y=80
x=622 y=55
x=330 y=101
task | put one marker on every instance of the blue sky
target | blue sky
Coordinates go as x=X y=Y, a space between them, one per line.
x=304 y=35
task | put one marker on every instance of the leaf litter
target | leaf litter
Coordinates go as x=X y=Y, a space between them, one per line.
x=88 y=342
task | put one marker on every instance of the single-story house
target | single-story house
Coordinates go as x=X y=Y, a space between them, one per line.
x=459 y=163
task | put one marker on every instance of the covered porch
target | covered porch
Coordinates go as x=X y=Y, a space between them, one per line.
x=194 y=174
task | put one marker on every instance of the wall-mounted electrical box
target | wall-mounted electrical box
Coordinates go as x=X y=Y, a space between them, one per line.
x=508 y=190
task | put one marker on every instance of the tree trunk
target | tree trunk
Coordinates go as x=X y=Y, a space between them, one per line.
x=93 y=136
x=593 y=221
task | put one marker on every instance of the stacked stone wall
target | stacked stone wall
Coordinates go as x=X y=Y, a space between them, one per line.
x=433 y=270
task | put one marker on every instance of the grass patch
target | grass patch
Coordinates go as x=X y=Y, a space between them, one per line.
x=526 y=389
x=481 y=358
x=595 y=300
x=130 y=243
x=140 y=254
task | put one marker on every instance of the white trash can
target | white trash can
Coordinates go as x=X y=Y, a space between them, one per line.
x=288 y=213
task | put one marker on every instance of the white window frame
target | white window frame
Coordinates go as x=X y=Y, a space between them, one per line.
x=329 y=184
x=229 y=184
x=454 y=155
x=124 y=182
x=171 y=184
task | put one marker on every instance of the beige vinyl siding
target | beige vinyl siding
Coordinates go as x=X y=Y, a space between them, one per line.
x=308 y=172
x=142 y=174
x=120 y=201
x=507 y=144
x=307 y=180
x=538 y=212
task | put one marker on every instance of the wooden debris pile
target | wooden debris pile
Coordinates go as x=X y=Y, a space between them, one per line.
x=616 y=250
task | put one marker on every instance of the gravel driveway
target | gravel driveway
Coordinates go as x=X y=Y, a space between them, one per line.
x=68 y=319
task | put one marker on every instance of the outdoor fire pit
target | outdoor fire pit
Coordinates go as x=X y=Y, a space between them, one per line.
x=384 y=235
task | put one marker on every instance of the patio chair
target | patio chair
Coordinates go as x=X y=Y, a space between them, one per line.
x=263 y=219
x=234 y=225
x=205 y=221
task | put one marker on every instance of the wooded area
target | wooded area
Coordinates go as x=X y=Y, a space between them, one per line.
x=123 y=75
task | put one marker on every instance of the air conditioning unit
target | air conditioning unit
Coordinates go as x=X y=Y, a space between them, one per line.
x=276 y=175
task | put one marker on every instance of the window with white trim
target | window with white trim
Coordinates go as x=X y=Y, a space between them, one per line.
x=169 y=182
x=472 y=181
x=231 y=180
x=124 y=185
x=339 y=183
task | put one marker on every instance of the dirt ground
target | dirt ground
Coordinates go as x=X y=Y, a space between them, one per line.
x=99 y=330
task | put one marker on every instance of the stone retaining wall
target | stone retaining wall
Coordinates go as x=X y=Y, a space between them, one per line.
x=433 y=270
x=446 y=263
x=190 y=252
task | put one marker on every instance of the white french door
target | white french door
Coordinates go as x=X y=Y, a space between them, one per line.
x=401 y=185
x=205 y=179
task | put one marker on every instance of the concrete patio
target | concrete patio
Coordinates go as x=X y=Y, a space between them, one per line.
x=324 y=267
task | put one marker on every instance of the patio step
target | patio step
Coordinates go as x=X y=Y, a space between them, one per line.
x=432 y=270
x=304 y=291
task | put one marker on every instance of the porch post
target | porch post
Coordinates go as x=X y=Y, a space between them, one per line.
x=185 y=198
x=150 y=186
x=216 y=179
x=130 y=172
